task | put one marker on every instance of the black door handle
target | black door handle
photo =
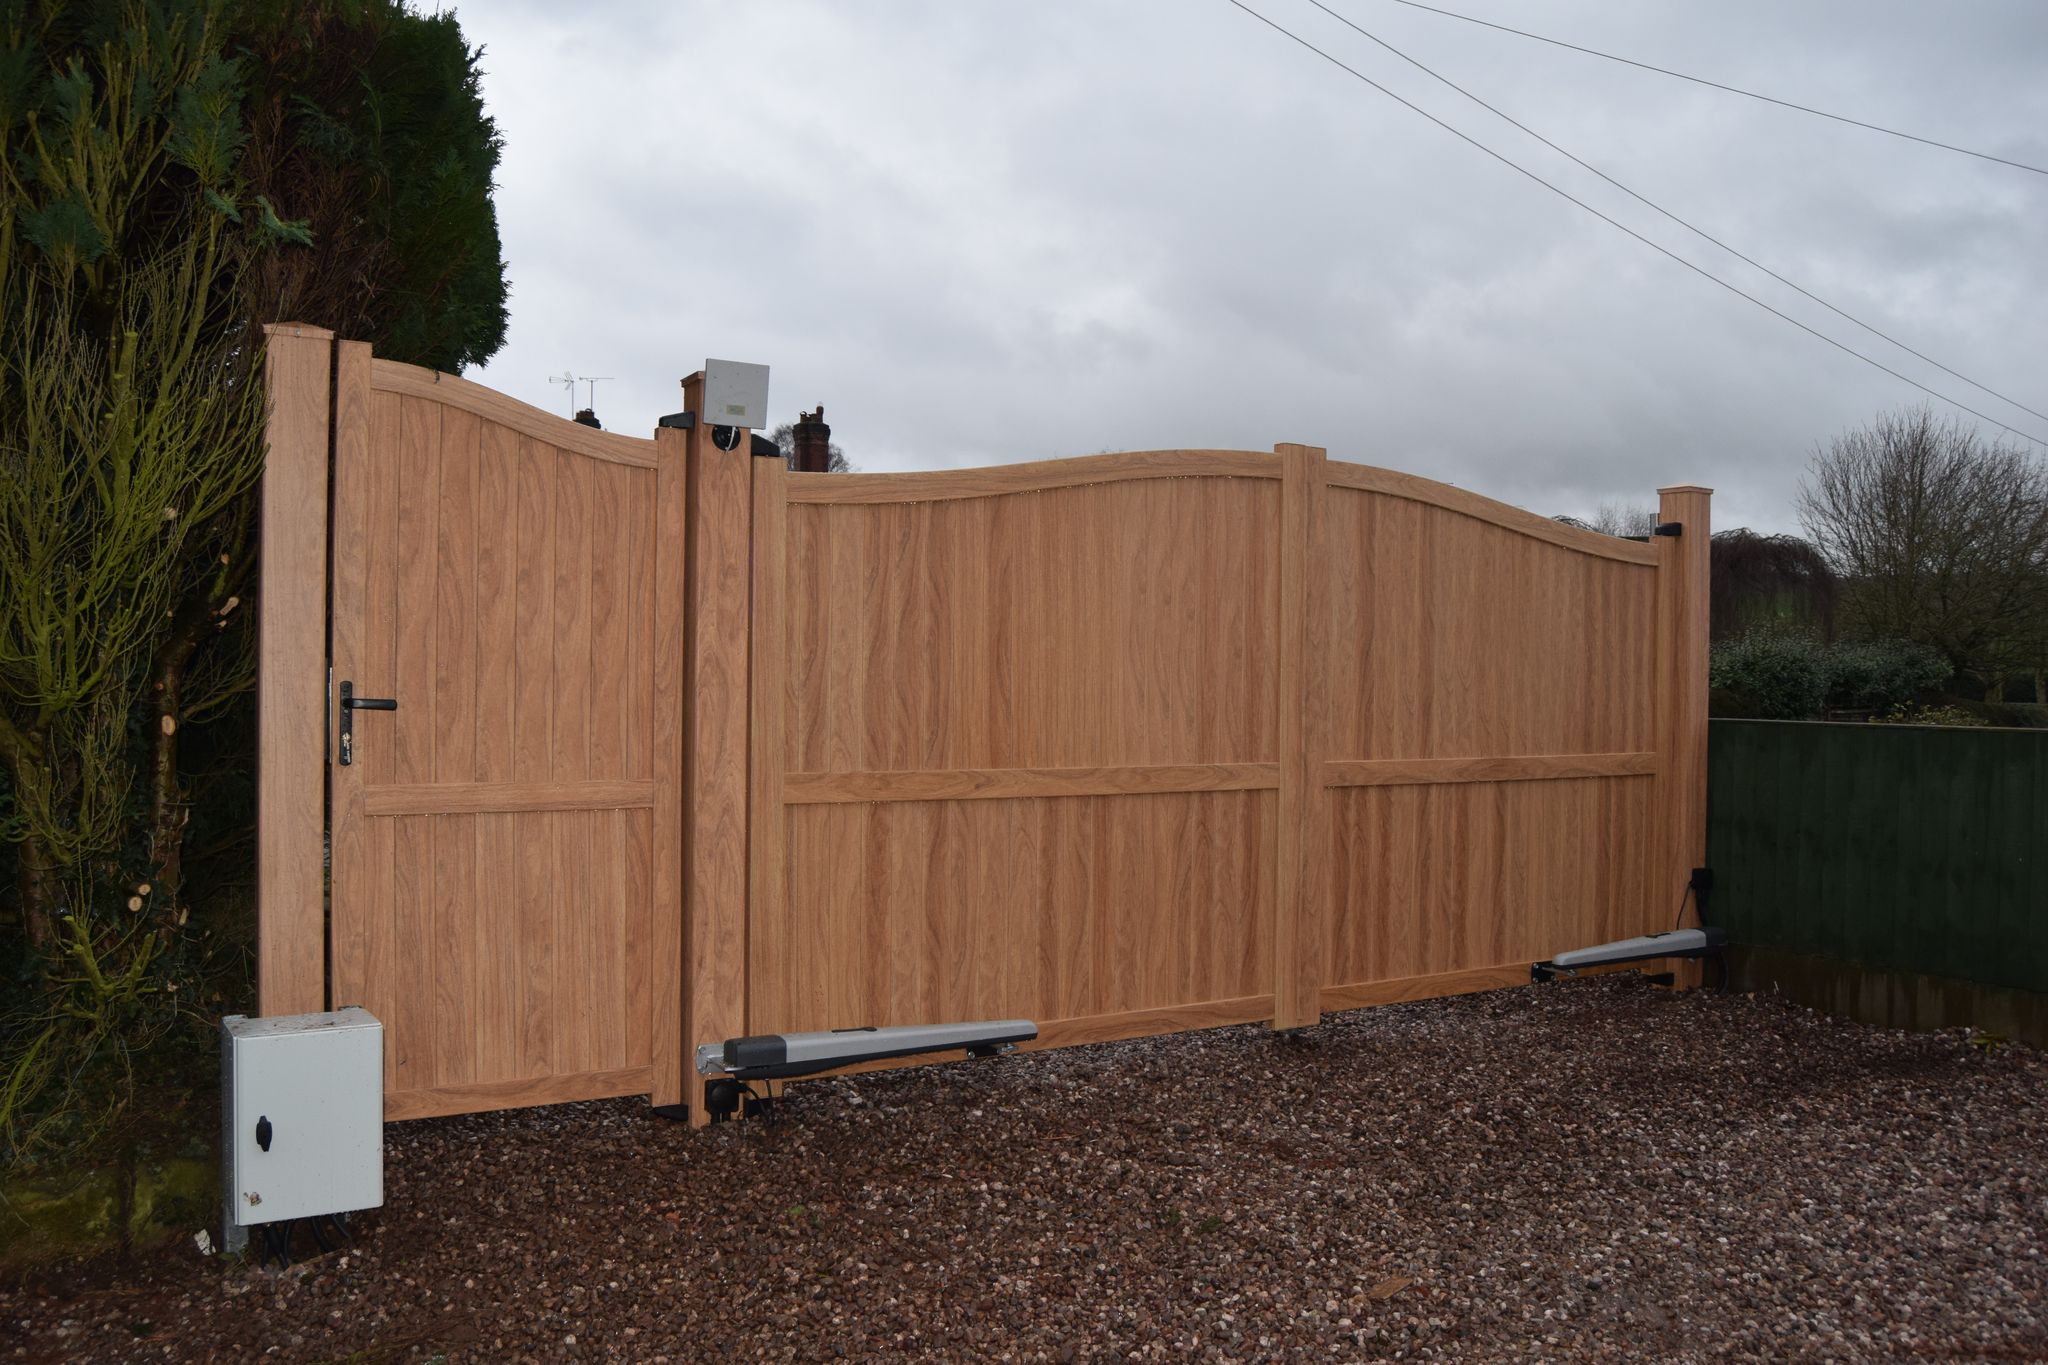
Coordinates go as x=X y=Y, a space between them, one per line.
x=263 y=1133
x=350 y=704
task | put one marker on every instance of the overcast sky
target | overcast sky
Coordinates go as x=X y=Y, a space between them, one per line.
x=981 y=233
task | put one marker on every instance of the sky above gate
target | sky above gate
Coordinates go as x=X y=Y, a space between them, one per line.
x=981 y=233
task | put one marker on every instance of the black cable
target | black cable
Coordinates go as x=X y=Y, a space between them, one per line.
x=1731 y=89
x=1623 y=227
x=1689 y=227
x=1681 y=909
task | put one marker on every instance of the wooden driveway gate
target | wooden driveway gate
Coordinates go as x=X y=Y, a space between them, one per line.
x=688 y=746
x=1172 y=739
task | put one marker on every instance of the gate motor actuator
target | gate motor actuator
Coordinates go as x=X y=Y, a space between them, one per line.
x=1705 y=941
x=784 y=1056
x=1648 y=947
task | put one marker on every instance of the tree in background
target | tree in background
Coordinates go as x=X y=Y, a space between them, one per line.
x=1938 y=537
x=140 y=244
x=1760 y=583
x=1625 y=519
x=1629 y=521
x=1770 y=585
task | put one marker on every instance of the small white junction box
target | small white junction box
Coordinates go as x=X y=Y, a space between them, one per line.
x=302 y=1115
x=735 y=394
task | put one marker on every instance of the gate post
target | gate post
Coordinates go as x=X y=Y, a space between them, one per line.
x=715 y=794
x=291 y=674
x=1303 y=826
x=1684 y=574
x=670 y=974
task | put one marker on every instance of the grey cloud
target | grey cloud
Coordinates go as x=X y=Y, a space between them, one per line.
x=982 y=233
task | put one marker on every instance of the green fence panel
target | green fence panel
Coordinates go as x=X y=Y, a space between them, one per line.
x=1908 y=848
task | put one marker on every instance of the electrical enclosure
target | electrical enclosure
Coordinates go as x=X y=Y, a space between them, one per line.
x=303 y=1115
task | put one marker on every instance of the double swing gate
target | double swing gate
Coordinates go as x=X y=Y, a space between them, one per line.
x=687 y=746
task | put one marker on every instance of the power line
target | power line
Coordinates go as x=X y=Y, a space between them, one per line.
x=1731 y=89
x=1623 y=227
x=1689 y=227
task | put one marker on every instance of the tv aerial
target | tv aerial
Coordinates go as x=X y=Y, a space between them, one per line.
x=568 y=382
x=569 y=379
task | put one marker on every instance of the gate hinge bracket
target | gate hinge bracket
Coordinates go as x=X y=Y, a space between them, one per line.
x=1668 y=528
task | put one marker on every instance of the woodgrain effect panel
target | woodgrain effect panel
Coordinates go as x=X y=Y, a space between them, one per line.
x=500 y=946
x=1044 y=908
x=510 y=605
x=455 y=394
x=1453 y=637
x=1455 y=877
x=1113 y=624
x=1415 y=488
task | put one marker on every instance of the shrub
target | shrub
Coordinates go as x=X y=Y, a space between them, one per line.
x=1795 y=677
x=1771 y=677
x=1883 y=674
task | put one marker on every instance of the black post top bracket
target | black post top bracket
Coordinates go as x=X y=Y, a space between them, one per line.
x=1668 y=528
x=725 y=438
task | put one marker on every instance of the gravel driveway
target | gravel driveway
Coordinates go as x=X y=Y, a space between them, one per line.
x=1589 y=1170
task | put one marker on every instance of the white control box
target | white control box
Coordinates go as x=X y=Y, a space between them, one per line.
x=302 y=1115
x=735 y=394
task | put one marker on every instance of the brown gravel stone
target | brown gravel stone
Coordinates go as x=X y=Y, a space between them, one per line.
x=1591 y=1170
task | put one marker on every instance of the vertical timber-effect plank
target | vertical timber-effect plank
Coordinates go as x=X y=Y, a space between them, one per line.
x=532 y=736
x=454 y=602
x=451 y=912
x=1684 y=569
x=497 y=948
x=291 y=682
x=607 y=665
x=668 y=978
x=531 y=739
x=498 y=634
x=416 y=532
x=719 y=506
x=350 y=652
x=496 y=945
x=768 y=938
x=1303 y=827
x=572 y=687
